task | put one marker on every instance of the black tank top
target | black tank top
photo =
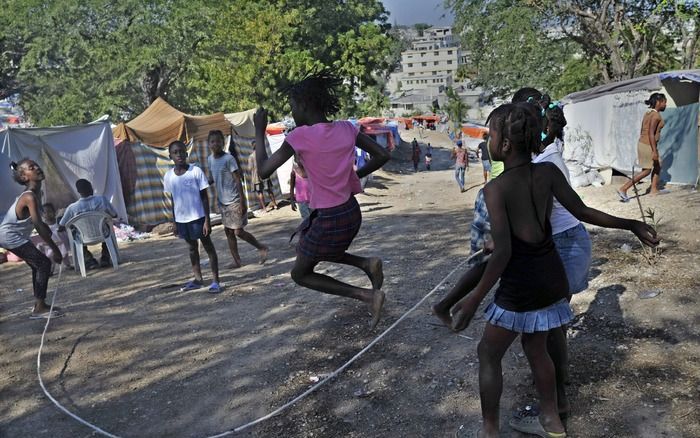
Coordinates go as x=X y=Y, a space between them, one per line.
x=534 y=277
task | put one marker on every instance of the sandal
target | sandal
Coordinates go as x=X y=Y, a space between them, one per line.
x=214 y=288
x=534 y=411
x=46 y=315
x=531 y=424
x=191 y=285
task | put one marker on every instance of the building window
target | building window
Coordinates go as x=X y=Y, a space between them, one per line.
x=424 y=64
x=436 y=62
x=449 y=61
x=422 y=54
x=436 y=53
x=449 y=52
x=411 y=74
x=410 y=64
x=409 y=56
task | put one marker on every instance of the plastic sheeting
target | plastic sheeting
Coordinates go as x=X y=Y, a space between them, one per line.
x=603 y=132
x=66 y=154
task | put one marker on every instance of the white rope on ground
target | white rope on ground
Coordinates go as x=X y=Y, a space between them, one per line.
x=276 y=411
x=38 y=367
x=348 y=363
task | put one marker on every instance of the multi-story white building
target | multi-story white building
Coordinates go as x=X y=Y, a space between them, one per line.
x=431 y=63
x=426 y=70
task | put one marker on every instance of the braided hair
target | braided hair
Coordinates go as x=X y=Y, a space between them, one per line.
x=555 y=122
x=520 y=124
x=318 y=91
x=16 y=172
x=527 y=94
x=654 y=99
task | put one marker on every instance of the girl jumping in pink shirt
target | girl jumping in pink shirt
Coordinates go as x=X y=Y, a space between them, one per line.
x=327 y=151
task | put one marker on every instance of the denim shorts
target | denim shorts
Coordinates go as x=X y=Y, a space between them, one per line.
x=574 y=247
x=190 y=230
x=487 y=165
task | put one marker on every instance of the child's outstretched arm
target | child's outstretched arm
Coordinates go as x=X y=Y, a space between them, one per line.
x=267 y=165
x=30 y=201
x=570 y=200
x=378 y=155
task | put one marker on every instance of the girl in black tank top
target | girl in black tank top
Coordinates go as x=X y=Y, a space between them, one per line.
x=532 y=298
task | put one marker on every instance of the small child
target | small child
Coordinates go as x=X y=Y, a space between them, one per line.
x=428 y=160
x=259 y=184
x=188 y=186
x=59 y=236
x=21 y=218
x=327 y=151
x=299 y=187
x=223 y=171
x=532 y=297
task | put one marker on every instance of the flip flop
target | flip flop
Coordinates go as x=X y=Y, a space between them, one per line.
x=53 y=314
x=623 y=196
x=532 y=425
x=191 y=285
x=534 y=411
x=214 y=288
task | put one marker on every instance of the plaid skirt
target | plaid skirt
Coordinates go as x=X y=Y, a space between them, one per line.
x=328 y=232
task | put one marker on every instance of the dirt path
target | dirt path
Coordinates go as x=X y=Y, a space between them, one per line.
x=141 y=359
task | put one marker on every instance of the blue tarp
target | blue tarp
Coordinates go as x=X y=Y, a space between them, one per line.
x=678 y=146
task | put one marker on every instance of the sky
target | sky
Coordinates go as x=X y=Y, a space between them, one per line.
x=418 y=11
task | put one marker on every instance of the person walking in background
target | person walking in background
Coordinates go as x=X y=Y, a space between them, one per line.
x=415 y=154
x=459 y=154
x=225 y=176
x=483 y=153
x=647 y=147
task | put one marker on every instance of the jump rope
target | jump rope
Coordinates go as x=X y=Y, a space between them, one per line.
x=260 y=419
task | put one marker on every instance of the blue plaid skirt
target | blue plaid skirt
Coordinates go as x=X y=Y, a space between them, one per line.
x=328 y=232
x=541 y=320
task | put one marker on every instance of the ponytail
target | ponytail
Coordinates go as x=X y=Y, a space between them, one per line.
x=654 y=99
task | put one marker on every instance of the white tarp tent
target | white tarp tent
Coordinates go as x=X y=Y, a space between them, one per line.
x=604 y=124
x=66 y=154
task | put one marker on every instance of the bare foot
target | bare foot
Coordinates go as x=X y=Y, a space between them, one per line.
x=263 y=254
x=233 y=265
x=376 y=272
x=376 y=309
x=445 y=317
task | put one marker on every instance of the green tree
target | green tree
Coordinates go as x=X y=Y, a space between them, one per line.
x=421 y=27
x=90 y=57
x=506 y=47
x=455 y=108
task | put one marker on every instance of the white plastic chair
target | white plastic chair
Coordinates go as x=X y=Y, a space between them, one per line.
x=90 y=228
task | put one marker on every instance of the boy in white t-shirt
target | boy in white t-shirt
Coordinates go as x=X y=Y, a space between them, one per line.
x=188 y=186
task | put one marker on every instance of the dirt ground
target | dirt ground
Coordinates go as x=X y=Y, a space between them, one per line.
x=139 y=358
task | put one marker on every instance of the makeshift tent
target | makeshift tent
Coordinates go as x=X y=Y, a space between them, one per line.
x=475 y=131
x=66 y=154
x=375 y=127
x=143 y=157
x=604 y=124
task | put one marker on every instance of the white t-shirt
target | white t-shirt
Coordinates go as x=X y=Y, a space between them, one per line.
x=560 y=218
x=185 y=190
